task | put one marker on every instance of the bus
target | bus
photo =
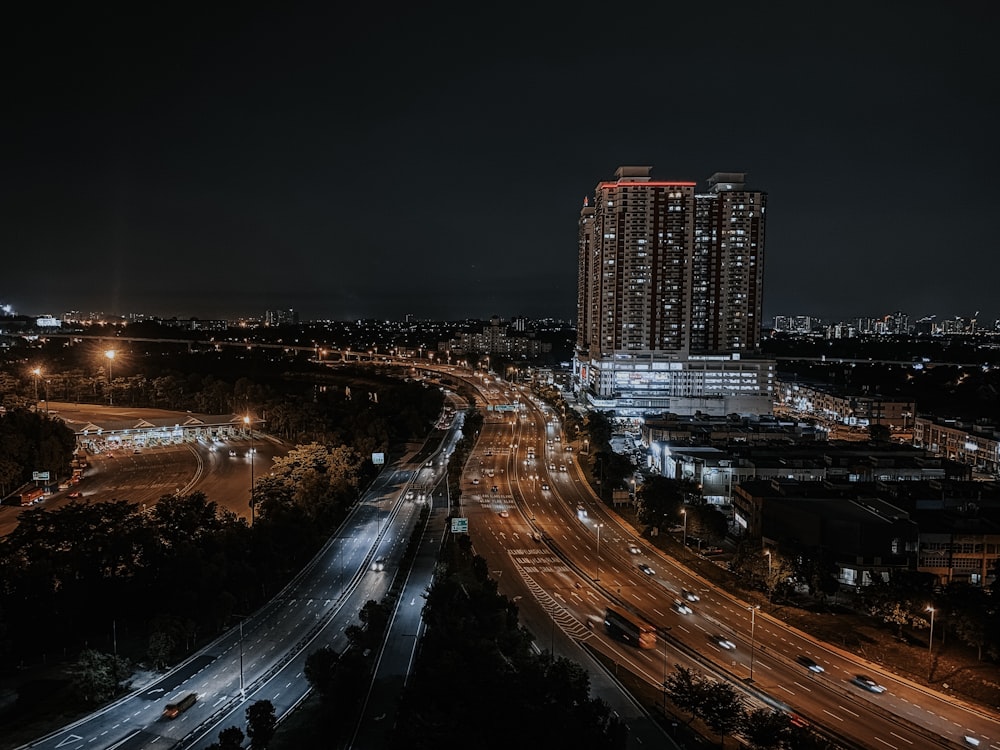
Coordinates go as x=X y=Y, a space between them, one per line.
x=173 y=710
x=630 y=628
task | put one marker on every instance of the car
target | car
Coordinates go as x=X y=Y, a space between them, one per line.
x=475 y=480
x=724 y=643
x=811 y=665
x=494 y=489
x=409 y=495
x=232 y=453
x=504 y=514
x=378 y=564
x=75 y=493
x=795 y=720
x=562 y=467
x=137 y=451
x=552 y=467
x=646 y=569
x=681 y=607
x=690 y=595
x=545 y=485
x=866 y=682
x=634 y=549
x=581 y=511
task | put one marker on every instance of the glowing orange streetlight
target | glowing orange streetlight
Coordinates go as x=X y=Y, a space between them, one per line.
x=110 y=354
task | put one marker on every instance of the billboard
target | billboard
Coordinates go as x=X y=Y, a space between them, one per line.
x=460 y=526
x=39 y=476
x=378 y=458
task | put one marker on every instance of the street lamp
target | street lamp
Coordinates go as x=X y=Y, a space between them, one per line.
x=753 y=633
x=684 y=515
x=599 y=526
x=37 y=372
x=110 y=354
x=242 y=693
x=246 y=421
x=767 y=554
x=930 y=643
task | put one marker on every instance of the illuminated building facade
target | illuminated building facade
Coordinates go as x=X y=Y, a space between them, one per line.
x=670 y=296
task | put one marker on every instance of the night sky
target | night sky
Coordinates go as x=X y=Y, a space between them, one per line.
x=433 y=161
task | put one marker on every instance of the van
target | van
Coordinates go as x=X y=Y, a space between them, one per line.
x=173 y=710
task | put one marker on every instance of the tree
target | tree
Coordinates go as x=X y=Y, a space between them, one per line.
x=98 y=677
x=707 y=521
x=320 y=670
x=261 y=723
x=686 y=688
x=765 y=729
x=660 y=501
x=230 y=738
x=160 y=646
x=721 y=708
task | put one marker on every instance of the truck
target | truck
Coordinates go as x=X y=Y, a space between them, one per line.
x=173 y=710
x=32 y=496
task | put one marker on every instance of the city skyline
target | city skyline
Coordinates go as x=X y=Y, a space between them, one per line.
x=366 y=166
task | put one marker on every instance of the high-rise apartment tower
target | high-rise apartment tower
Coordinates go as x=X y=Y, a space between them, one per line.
x=670 y=281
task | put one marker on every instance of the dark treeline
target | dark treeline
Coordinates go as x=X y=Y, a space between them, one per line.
x=476 y=670
x=30 y=441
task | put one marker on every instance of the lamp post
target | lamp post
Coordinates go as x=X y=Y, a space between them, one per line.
x=598 y=552
x=684 y=515
x=110 y=354
x=930 y=643
x=246 y=421
x=242 y=693
x=37 y=372
x=753 y=633
x=767 y=554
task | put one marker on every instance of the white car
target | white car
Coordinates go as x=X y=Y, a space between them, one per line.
x=810 y=664
x=682 y=607
x=868 y=684
x=725 y=643
x=504 y=514
x=690 y=595
x=633 y=549
x=545 y=485
x=646 y=569
x=475 y=480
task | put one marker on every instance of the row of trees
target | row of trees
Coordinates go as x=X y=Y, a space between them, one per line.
x=476 y=669
x=30 y=441
x=724 y=711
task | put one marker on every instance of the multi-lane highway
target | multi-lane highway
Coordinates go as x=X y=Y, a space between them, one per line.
x=548 y=538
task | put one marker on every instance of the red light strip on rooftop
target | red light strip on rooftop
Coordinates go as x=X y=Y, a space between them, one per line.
x=646 y=184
